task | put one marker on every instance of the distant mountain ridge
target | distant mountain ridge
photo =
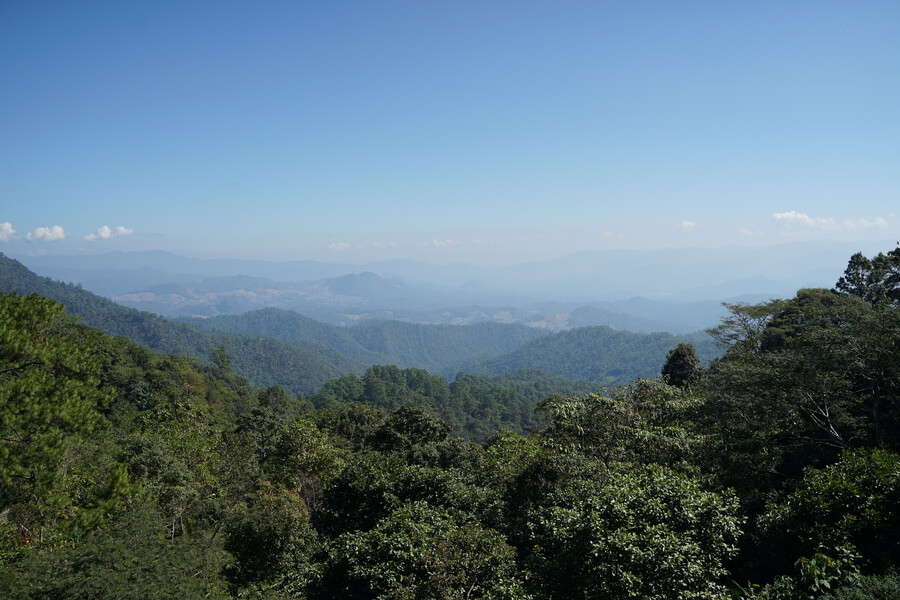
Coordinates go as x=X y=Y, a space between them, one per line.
x=298 y=367
x=599 y=354
x=440 y=349
x=310 y=353
x=676 y=290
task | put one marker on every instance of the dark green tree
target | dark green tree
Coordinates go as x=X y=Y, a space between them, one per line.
x=271 y=540
x=682 y=367
x=275 y=399
x=133 y=556
x=875 y=280
x=740 y=332
x=822 y=375
x=409 y=426
x=49 y=394
x=852 y=502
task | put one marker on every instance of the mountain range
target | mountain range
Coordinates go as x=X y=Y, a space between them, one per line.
x=282 y=347
x=674 y=290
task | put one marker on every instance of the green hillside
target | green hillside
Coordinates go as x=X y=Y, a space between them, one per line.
x=298 y=367
x=290 y=327
x=440 y=349
x=274 y=346
x=599 y=354
x=475 y=406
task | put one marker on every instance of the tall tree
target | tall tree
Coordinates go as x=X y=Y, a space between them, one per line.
x=682 y=367
x=49 y=393
x=875 y=280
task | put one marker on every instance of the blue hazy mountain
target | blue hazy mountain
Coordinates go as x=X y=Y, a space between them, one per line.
x=676 y=290
x=284 y=348
x=439 y=349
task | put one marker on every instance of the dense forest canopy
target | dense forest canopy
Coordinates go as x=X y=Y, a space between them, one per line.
x=773 y=472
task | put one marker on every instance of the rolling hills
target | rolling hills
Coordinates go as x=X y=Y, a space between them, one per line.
x=599 y=354
x=273 y=346
x=440 y=349
x=298 y=367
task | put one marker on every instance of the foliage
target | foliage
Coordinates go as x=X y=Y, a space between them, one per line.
x=851 y=502
x=49 y=395
x=650 y=533
x=821 y=376
x=649 y=422
x=375 y=485
x=599 y=354
x=132 y=557
x=871 y=587
x=407 y=427
x=476 y=406
x=303 y=460
x=271 y=540
x=814 y=578
x=127 y=473
x=419 y=551
x=740 y=332
x=682 y=366
x=875 y=280
x=352 y=425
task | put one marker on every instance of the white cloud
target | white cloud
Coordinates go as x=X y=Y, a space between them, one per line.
x=46 y=234
x=748 y=232
x=104 y=233
x=7 y=232
x=792 y=217
x=339 y=246
x=876 y=223
x=444 y=243
x=795 y=219
x=687 y=226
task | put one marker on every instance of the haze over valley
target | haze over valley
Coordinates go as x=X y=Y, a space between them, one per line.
x=675 y=290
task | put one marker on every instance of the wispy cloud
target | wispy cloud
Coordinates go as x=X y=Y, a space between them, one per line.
x=876 y=223
x=796 y=219
x=7 y=232
x=339 y=246
x=46 y=234
x=104 y=233
x=749 y=232
x=687 y=226
x=377 y=245
x=436 y=243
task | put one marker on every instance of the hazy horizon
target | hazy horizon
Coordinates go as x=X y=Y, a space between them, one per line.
x=24 y=252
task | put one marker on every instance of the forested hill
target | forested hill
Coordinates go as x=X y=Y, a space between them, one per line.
x=298 y=367
x=773 y=474
x=475 y=406
x=278 y=347
x=599 y=354
x=440 y=349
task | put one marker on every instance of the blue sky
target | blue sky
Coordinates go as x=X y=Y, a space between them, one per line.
x=490 y=132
